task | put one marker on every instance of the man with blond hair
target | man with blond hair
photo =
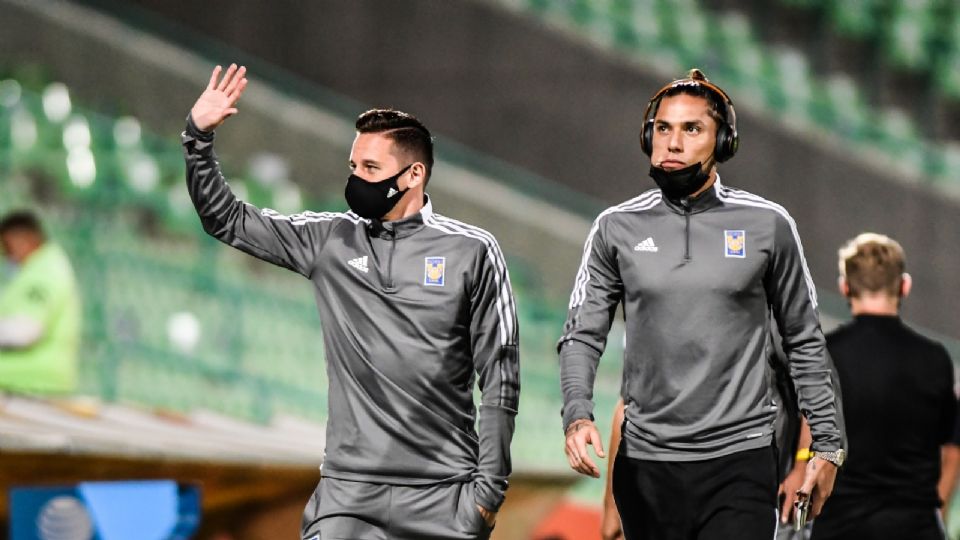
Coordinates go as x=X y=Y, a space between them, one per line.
x=898 y=401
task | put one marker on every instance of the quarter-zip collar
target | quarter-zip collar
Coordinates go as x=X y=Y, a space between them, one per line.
x=403 y=227
x=689 y=206
x=694 y=205
x=393 y=231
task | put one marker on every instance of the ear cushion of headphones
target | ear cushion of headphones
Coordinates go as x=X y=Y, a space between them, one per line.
x=727 y=143
x=646 y=138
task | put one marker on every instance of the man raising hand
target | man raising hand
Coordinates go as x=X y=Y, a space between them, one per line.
x=414 y=308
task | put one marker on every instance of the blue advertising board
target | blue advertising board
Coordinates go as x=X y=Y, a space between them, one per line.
x=141 y=510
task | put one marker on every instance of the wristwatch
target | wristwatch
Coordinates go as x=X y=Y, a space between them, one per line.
x=836 y=457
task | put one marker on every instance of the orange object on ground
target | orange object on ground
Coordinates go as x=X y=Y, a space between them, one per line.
x=570 y=521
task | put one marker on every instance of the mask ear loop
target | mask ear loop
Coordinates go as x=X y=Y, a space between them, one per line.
x=711 y=162
x=402 y=172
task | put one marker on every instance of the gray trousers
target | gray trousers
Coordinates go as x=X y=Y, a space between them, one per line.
x=347 y=510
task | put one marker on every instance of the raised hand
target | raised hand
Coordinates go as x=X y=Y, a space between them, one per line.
x=217 y=103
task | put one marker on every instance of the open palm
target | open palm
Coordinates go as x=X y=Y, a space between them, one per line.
x=217 y=103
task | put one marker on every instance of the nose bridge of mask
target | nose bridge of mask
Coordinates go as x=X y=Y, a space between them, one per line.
x=373 y=200
x=393 y=178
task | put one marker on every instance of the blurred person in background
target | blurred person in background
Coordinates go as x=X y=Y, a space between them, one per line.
x=899 y=404
x=414 y=308
x=39 y=311
x=699 y=268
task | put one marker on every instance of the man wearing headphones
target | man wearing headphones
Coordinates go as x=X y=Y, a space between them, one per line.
x=701 y=269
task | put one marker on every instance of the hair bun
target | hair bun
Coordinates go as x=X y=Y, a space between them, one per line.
x=697 y=75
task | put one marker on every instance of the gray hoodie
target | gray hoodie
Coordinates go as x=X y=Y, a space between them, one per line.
x=698 y=280
x=412 y=313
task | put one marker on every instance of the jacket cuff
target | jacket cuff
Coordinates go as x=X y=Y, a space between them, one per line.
x=826 y=446
x=578 y=409
x=197 y=133
x=488 y=496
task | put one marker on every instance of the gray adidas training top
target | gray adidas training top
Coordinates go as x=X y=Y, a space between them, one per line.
x=698 y=282
x=410 y=311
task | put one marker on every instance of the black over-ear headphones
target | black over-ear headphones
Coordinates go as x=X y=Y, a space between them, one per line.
x=727 y=139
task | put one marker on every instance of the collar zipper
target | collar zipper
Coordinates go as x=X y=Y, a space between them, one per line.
x=393 y=247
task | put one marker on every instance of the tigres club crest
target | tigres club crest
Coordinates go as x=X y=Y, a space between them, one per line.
x=433 y=268
x=735 y=244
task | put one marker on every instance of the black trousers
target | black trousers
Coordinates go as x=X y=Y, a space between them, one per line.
x=868 y=520
x=731 y=497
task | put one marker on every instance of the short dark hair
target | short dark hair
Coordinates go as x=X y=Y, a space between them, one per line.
x=21 y=220
x=406 y=131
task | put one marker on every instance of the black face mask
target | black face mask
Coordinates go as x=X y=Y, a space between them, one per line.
x=372 y=200
x=680 y=183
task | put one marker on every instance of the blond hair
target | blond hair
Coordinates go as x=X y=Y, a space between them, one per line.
x=872 y=263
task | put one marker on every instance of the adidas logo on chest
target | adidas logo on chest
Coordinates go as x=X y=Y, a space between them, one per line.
x=360 y=263
x=647 y=245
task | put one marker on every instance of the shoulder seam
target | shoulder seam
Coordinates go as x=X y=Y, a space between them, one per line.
x=645 y=201
x=309 y=216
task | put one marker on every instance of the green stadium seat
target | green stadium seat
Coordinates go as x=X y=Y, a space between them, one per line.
x=947 y=73
x=848 y=113
x=947 y=70
x=947 y=176
x=643 y=19
x=748 y=64
x=898 y=136
x=687 y=28
x=796 y=87
x=908 y=34
x=583 y=12
x=857 y=18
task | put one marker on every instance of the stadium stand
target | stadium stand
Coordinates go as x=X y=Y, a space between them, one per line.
x=724 y=42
